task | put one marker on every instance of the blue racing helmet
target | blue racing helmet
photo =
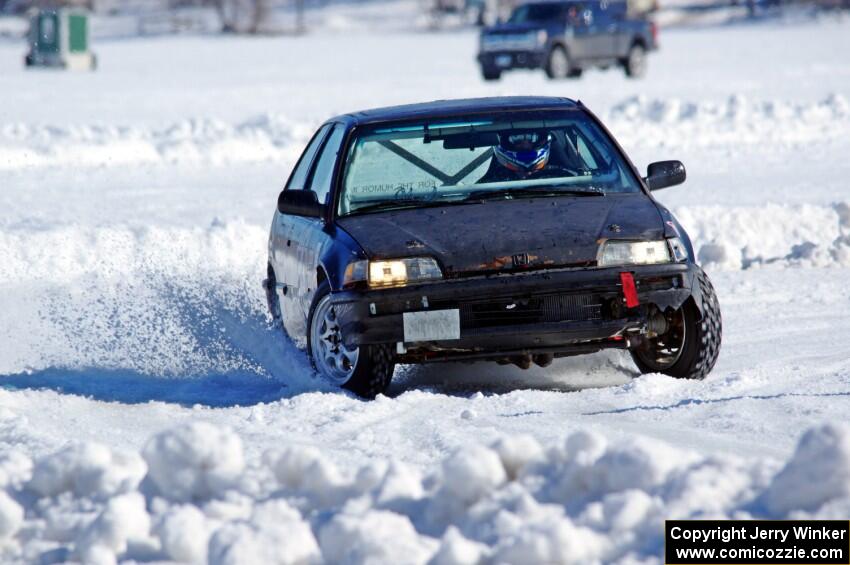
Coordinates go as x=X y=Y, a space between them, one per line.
x=523 y=152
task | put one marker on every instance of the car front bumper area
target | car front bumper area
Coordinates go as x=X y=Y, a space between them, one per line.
x=553 y=312
x=506 y=60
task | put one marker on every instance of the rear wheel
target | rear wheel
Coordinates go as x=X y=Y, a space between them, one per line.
x=690 y=346
x=366 y=370
x=635 y=63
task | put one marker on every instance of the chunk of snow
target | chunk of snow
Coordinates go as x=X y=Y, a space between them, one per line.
x=11 y=516
x=184 y=534
x=305 y=470
x=15 y=470
x=124 y=519
x=819 y=471
x=472 y=472
x=194 y=462
x=88 y=469
x=376 y=536
x=276 y=535
x=551 y=541
x=516 y=452
x=455 y=549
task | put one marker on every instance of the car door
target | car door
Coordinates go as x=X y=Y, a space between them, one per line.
x=605 y=37
x=311 y=235
x=282 y=251
x=598 y=41
x=615 y=15
x=580 y=32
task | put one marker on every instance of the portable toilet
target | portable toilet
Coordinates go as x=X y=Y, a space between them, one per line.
x=60 y=38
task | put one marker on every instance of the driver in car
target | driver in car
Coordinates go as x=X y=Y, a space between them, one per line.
x=520 y=156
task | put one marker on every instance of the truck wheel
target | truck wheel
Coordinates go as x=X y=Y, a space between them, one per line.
x=689 y=348
x=489 y=73
x=635 y=63
x=366 y=370
x=558 y=63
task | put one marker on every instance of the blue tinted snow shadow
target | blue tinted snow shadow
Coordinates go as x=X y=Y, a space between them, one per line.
x=129 y=387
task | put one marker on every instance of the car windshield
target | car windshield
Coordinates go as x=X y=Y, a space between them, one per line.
x=537 y=13
x=516 y=155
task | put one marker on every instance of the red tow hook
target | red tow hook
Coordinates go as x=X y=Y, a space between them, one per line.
x=629 y=290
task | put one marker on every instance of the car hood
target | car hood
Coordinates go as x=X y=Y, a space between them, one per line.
x=508 y=235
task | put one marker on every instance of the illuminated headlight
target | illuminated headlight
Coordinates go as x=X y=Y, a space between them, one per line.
x=395 y=272
x=615 y=253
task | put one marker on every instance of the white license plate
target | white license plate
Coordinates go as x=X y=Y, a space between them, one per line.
x=503 y=61
x=431 y=325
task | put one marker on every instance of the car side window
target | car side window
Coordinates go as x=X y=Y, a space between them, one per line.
x=298 y=178
x=575 y=15
x=323 y=175
x=600 y=13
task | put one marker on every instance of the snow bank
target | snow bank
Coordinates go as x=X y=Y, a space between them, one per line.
x=777 y=235
x=636 y=121
x=673 y=122
x=199 y=140
x=582 y=500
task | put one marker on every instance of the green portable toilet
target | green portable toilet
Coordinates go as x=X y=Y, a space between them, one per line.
x=60 y=38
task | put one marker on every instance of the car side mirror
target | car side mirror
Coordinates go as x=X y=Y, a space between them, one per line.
x=300 y=203
x=665 y=173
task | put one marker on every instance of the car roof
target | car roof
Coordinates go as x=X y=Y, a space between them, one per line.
x=455 y=108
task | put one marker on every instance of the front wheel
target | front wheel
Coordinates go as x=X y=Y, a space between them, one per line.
x=366 y=370
x=558 y=64
x=635 y=63
x=690 y=346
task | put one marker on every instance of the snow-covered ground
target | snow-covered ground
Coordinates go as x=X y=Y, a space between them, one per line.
x=149 y=412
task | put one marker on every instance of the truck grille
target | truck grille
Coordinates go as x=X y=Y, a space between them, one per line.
x=509 y=42
x=533 y=310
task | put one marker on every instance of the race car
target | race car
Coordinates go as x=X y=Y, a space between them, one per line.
x=507 y=229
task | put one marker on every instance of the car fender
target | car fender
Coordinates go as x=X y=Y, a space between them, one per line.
x=559 y=41
x=696 y=290
x=337 y=252
x=672 y=228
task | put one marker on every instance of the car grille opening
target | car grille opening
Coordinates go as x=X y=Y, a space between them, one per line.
x=530 y=310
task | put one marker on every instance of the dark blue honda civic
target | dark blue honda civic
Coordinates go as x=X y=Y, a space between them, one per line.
x=513 y=230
